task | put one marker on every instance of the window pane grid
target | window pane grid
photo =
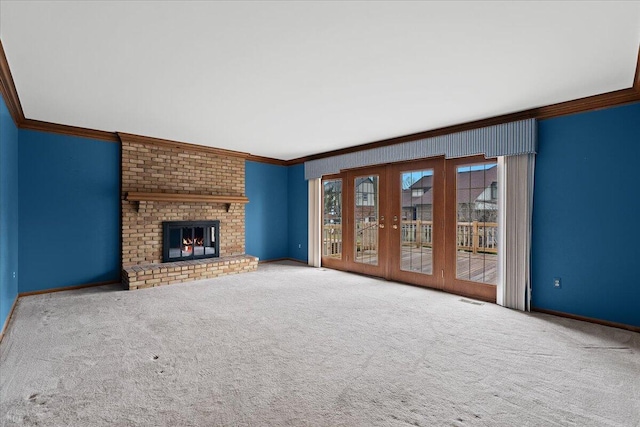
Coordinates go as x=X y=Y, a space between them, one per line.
x=366 y=219
x=477 y=202
x=416 y=223
x=332 y=219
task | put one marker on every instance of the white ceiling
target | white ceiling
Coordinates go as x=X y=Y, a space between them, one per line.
x=288 y=79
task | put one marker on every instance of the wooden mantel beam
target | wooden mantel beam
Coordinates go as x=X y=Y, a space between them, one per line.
x=136 y=196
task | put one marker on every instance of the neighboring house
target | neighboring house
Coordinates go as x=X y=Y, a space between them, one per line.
x=477 y=197
x=365 y=199
x=365 y=192
x=417 y=200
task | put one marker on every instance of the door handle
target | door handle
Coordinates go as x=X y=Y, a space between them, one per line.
x=381 y=226
x=395 y=226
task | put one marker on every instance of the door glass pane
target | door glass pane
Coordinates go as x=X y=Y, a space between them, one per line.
x=477 y=227
x=416 y=223
x=332 y=219
x=366 y=219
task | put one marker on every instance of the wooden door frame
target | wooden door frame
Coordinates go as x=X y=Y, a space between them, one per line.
x=382 y=268
x=436 y=279
x=388 y=266
x=337 y=264
x=482 y=291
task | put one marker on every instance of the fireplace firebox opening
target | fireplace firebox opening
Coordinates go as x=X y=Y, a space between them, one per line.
x=186 y=240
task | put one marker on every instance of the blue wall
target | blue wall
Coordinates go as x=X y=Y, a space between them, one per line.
x=276 y=216
x=266 y=213
x=298 y=213
x=69 y=210
x=585 y=211
x=584 y=226
x=586 y=222
x=8 y=212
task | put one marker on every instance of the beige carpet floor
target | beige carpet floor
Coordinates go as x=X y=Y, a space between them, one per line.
x=293 y=345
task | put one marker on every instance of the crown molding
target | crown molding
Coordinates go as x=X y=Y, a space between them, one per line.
x=10 y=95
x=636 y=78
x=8 y=89
x=41 y=126
x=147 y=140
x=269 y=160
x=591 y=103
x=581 y=105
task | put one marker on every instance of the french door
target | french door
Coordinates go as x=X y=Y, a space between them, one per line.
x=404 y=222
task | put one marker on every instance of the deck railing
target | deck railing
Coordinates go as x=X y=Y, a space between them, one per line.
x=418 y=233
x=471 y=236
x=478 y=236
x=332 y=240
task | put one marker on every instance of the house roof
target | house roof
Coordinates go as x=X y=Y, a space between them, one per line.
x=474 y=183
x=361 y=180
x=424 y=182
x=289 y=79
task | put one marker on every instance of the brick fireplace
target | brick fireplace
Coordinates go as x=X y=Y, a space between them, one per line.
x=169 y=182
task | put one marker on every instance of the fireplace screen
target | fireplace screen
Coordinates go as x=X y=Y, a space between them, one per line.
x=184 y=240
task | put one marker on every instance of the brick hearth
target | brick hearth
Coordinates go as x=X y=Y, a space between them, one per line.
x=148 y=167
x=168 y=273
